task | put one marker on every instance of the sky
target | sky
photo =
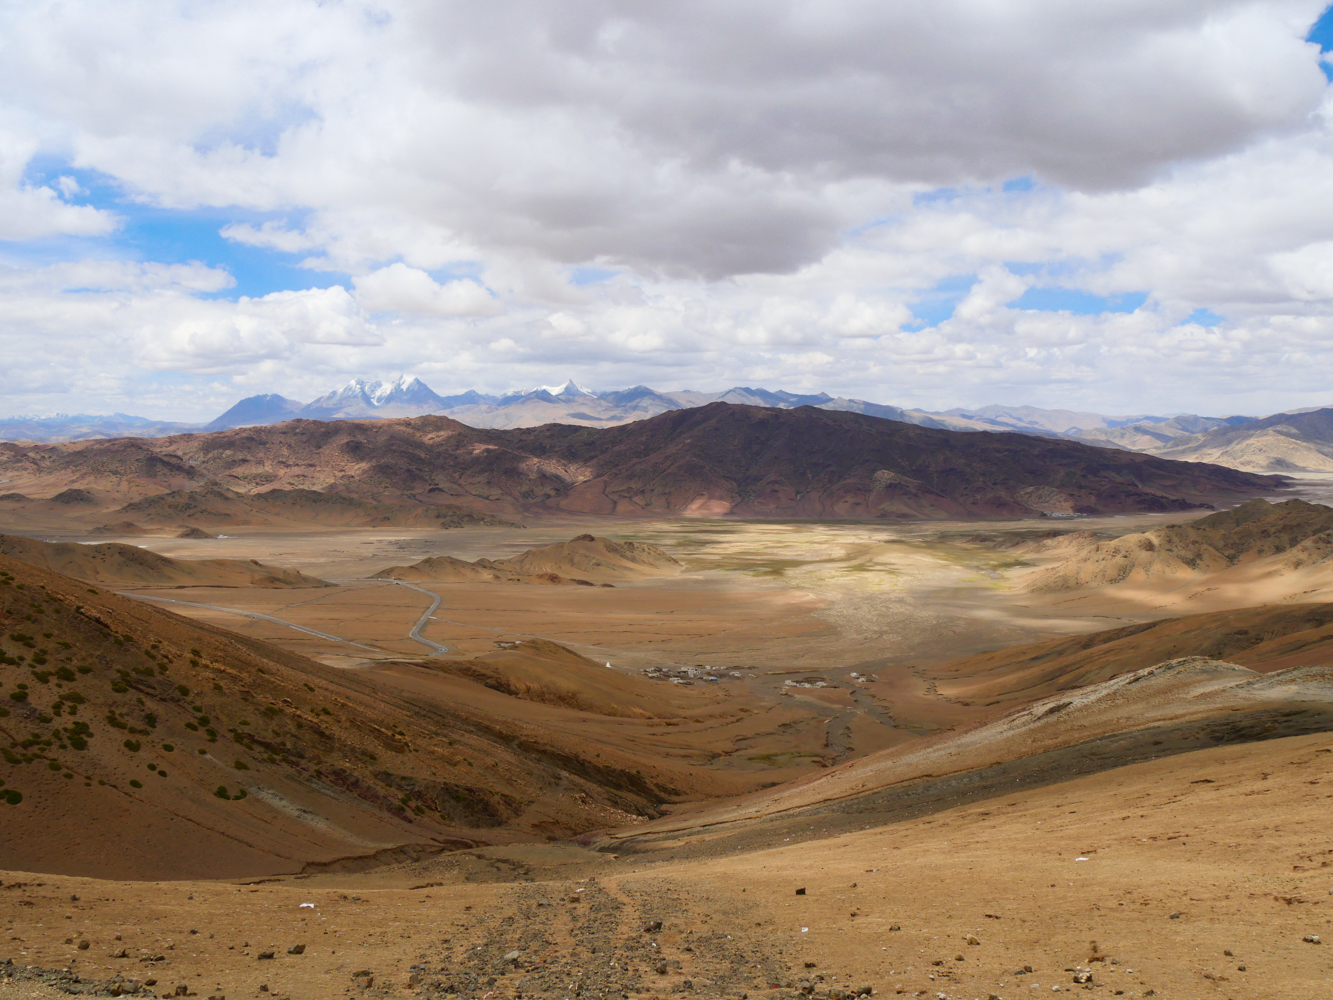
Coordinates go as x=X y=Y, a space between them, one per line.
x=1124 y=207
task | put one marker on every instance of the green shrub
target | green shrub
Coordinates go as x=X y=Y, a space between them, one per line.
x=168 y=748
x=136 y=783
x=132 y=746
x=12 y=796
x=241 y=765
x=222 y=792
x=18 y=695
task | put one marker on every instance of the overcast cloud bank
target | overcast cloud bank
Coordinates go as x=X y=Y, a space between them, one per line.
x=1122 y=207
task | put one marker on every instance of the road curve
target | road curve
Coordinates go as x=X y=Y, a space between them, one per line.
x=252 y=614
x=415 y=635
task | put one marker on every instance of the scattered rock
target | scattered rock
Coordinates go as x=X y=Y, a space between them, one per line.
x=119 y=953
x=512 y=956
x=1240 y=968
x=973 y=939
x=263 y=955
x=84 y=946
x=800 y=892
x=652 y=927
x=1176 y=915
x=895 y=927
x=1311 y=939
x=296 y=949
x=1082 y=977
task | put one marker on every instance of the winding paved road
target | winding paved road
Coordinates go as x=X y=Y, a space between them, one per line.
x=251 y=614
x=415 y=634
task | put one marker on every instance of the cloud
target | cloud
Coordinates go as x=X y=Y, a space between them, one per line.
x=399 y=288
x=698 y=138
x=766 y=188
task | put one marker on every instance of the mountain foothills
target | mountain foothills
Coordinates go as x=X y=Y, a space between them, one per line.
x=709 y=460
x=130 y=734
x=1284 y=442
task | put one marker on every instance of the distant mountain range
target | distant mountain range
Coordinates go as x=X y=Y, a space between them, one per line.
x=706 y=460
x=1276 y=443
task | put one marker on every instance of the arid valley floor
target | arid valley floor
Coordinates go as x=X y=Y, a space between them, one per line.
x=738 y=757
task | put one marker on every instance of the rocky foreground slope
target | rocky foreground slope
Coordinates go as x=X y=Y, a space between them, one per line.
x=139 y=744
x=711 y=460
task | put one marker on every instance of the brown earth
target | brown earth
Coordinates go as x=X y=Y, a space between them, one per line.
x=1274 y=552
x=219 y=506
x=593 y=559
x=117 y=565
x=1264 y=639
x=710 y=460
x=1193 y=875
x=526 y=743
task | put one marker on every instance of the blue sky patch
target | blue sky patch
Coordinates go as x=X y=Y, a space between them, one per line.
x=170 y=236
x=937 y=196
x=590 y=275
x=1019 y=184
x=1322 y=35
x=1203 y=317
x=938 y=304
x=1071 y=300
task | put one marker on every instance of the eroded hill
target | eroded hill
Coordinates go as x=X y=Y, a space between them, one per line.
x=1287 y=548
x=583 y=559
x=117 y=565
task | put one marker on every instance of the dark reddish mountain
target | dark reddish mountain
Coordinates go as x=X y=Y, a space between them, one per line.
x=714 y=459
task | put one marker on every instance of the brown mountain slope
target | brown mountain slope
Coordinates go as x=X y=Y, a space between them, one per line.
x=217 y=505
x=1258 y=539
x=117 y=565
x=713 y=459
x=1169 y=708
x=1263 y=639
x=138 y=744
x=584 y=558
x=1280 y=443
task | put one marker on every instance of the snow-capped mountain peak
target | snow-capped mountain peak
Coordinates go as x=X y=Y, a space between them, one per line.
x=570 y=388
x=384 y=392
